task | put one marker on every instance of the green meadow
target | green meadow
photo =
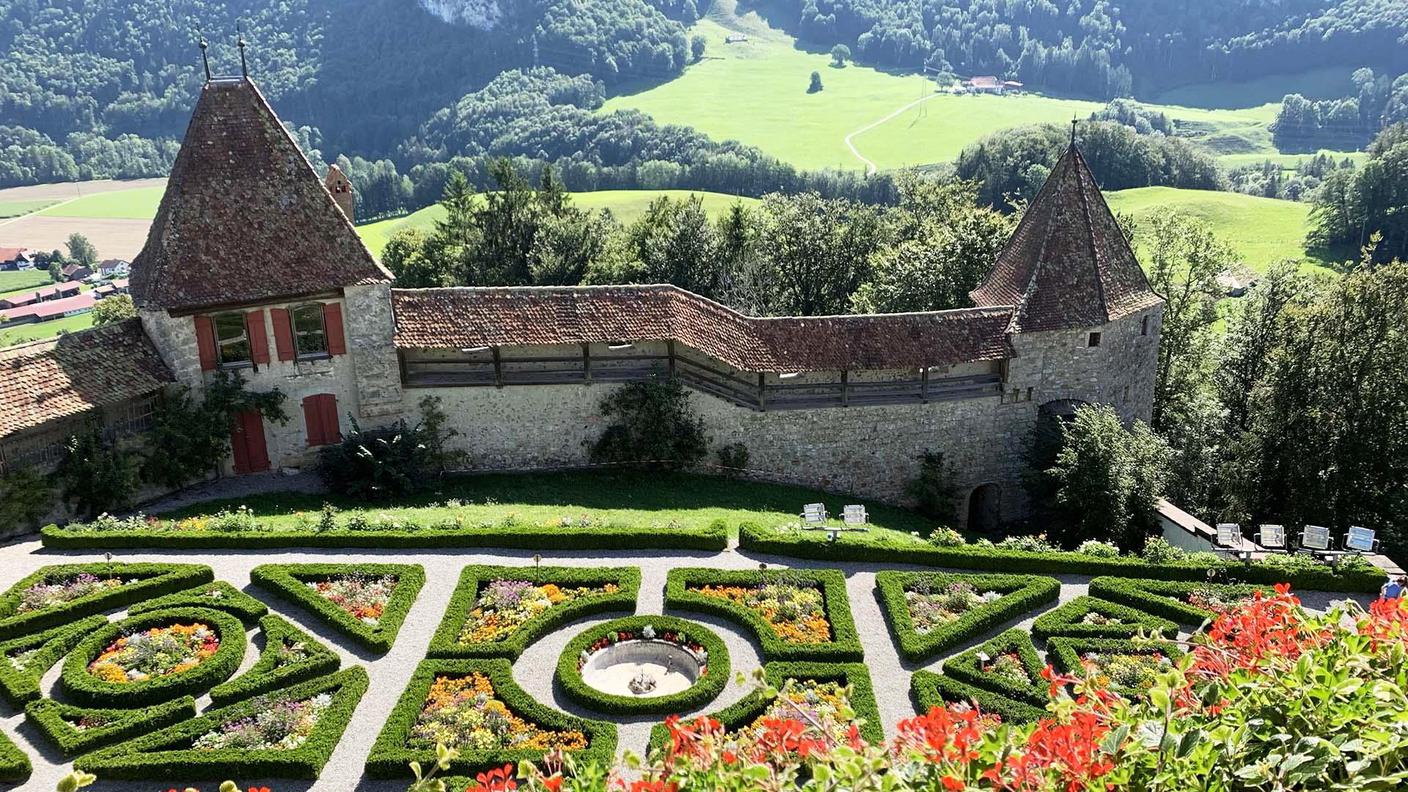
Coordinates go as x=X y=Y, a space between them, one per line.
x=625 y=205
x=41 y=330
x=134 y=204
x=18 y=208
x=22 y=281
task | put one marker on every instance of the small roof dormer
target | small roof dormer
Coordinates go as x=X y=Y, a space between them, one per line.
x=245 y=218
x=1068 y=264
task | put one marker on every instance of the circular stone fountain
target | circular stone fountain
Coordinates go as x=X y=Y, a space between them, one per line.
x=644 y=664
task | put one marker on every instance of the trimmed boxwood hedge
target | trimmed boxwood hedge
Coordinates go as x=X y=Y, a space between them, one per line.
x=287 y=581
x=929 y=690
x=879 y=548
x=704 y=690
x=1066 y=621
x=968 y=667
x=218 y=595
x=18 y=686
x=844 y=644
x=14 y=763
x=445 y=643
x=752 y=706
x=1065 y=653
x=390 y=756
x=1164 y=598
x=88 y=690
x=53 y=719
x=166 y=753
x=263 y=677
x=712 y=537
x=1021 y=593
x=155 y=579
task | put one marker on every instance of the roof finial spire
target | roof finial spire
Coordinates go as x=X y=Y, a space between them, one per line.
x=1074 y=121
x=239 y=42
x=204 y=57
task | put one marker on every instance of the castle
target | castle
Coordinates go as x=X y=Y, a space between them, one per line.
x=252 y=264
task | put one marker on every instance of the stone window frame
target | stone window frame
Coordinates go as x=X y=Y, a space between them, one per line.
x=1092 y=341
x=229 y=319
x=306 y=310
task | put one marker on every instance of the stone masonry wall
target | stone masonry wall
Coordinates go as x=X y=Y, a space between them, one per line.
x=370 y=327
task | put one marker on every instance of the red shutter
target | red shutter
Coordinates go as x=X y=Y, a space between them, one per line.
x=313 y=420
x=258 y=337
x=332 y=433
x=283 y=333
x=205 y=343
x=332 y=319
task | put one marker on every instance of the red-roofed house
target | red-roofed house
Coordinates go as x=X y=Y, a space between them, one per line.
x=16 y=258
x=56 y=292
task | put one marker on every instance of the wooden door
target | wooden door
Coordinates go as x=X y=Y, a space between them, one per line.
x=247 y=440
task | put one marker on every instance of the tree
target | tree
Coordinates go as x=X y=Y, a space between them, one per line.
x=81 y=250
x=815 y=85
x=652 y=423
x=697 y=44
x=1108 y=479
x=97 y=474
x=419 y=261
x=817 y=251
x=190 y=437
x=26 y=496
x=935 y=489
x=113 y=309
x=674 y=242
x=839 y=55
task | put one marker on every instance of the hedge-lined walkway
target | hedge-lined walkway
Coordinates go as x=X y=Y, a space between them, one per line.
x=533 y=671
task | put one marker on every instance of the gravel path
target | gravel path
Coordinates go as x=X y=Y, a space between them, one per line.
x=533 y=671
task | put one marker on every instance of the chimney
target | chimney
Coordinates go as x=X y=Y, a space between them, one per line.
x=341 y=189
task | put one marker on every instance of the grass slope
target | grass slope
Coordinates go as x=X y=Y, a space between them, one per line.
x=626 y=205
x=134 y=204
x=19 y=334
x=18 y=208
x=1261 y=230
x=22 y=281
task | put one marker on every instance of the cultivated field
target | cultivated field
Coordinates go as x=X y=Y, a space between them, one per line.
x=114 y=215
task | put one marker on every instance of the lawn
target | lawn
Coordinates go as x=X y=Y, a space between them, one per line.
x=626 y=205
x=17 y=208
x=1286 y=161
x=22 y=281
x=34 y=332
x=1325 y=83
x=1262 y=230
x=626 y=498
x=135 y=204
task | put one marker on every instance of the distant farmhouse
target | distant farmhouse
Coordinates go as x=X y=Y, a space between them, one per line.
x=252 y=265
x=16 y=258
x=990 y=85
x=56 y=292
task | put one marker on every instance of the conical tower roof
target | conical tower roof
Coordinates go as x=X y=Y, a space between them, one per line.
x=1068 y=264
x=245 y=218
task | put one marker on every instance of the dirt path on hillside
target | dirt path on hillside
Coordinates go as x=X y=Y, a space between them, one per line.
x=870 y=167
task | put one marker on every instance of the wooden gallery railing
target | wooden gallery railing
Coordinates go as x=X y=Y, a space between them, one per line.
x=747 y=390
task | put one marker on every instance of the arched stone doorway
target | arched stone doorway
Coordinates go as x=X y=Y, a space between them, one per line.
x=985 y=508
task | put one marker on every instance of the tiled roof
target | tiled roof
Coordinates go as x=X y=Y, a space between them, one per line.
x=74 y=373
x=466 y=318
x=245 y=218
x=1068 y=264
x=49 y=309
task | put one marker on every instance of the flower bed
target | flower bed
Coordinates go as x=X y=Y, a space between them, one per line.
x=77 y=730
x=218 y=595
x=796 y=614
x=929 y=690
x=154 y=657
x=475 y=706
x=1007 y=664
x=814 y=686
x=283 y=724
x=699 y=640
x=173 y=752
x=497 y=611
x=52 y=596
x=887 y=548
x=366 y=602
x=930 y=612
x=1189 y=603
x=24 y=660
x=1092 y=617
x=290 y=655
x=1125 y=667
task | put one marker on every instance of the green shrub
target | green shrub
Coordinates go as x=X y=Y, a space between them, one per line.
x=97 y=475
x=652 y=422
x=288 y=581
x=733 y=457
x=1029 y=543
x=102 y=727
x=267 y=674
x=1166 y=598
x=1020 y=593
x=18 y=685
x=755 y=704
x=929 y=690
x=1098 y=549
x=387 y=462
x=144 y=580
x=390 y=755
x=14 y=763
x=26 y=495
x=1066 y=654
x=218 y=595
x=88 y=690
x=167 y=753
x=935 y=488
x=1069 y=620
x=446 y=642
x=844 y=644
x=967 y=667
x=190 y=438
x=946 y=537
x=704 y=690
